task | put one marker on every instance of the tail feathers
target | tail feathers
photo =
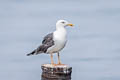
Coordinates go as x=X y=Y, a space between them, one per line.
x=32 y=53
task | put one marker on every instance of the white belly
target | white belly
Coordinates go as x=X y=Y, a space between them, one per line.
x=59 y=42
x=58 y=46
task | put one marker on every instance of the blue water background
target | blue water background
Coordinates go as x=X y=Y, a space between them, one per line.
x=93 y=48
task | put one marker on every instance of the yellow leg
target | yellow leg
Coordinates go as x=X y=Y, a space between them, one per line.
x=51 y=56
x=59 y=62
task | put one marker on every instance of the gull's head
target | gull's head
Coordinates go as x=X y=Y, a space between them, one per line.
x=63 y=23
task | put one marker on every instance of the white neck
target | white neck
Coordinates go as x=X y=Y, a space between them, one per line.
x=61 y=31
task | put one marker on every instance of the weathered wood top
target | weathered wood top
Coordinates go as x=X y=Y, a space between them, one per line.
x=56 y=72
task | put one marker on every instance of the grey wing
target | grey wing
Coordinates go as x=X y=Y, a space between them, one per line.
x=46 y=43
x=48 y=39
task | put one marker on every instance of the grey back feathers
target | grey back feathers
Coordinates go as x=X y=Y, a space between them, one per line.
x=46 y=43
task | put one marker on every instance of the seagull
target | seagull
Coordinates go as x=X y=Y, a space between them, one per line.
x=54 y=42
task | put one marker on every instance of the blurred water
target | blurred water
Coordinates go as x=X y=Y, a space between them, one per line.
x=93 y=48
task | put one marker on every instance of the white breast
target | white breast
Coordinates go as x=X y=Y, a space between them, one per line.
x=59 y=41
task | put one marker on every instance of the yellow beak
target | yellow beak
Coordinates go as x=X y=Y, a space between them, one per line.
x=70 y=25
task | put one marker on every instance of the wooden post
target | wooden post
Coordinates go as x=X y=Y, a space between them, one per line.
x=57 y=72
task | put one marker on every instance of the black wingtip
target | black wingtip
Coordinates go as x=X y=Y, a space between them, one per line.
x=28 y=54
x=32 y=53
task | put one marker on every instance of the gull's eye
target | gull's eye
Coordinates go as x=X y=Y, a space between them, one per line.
x=63 y=22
